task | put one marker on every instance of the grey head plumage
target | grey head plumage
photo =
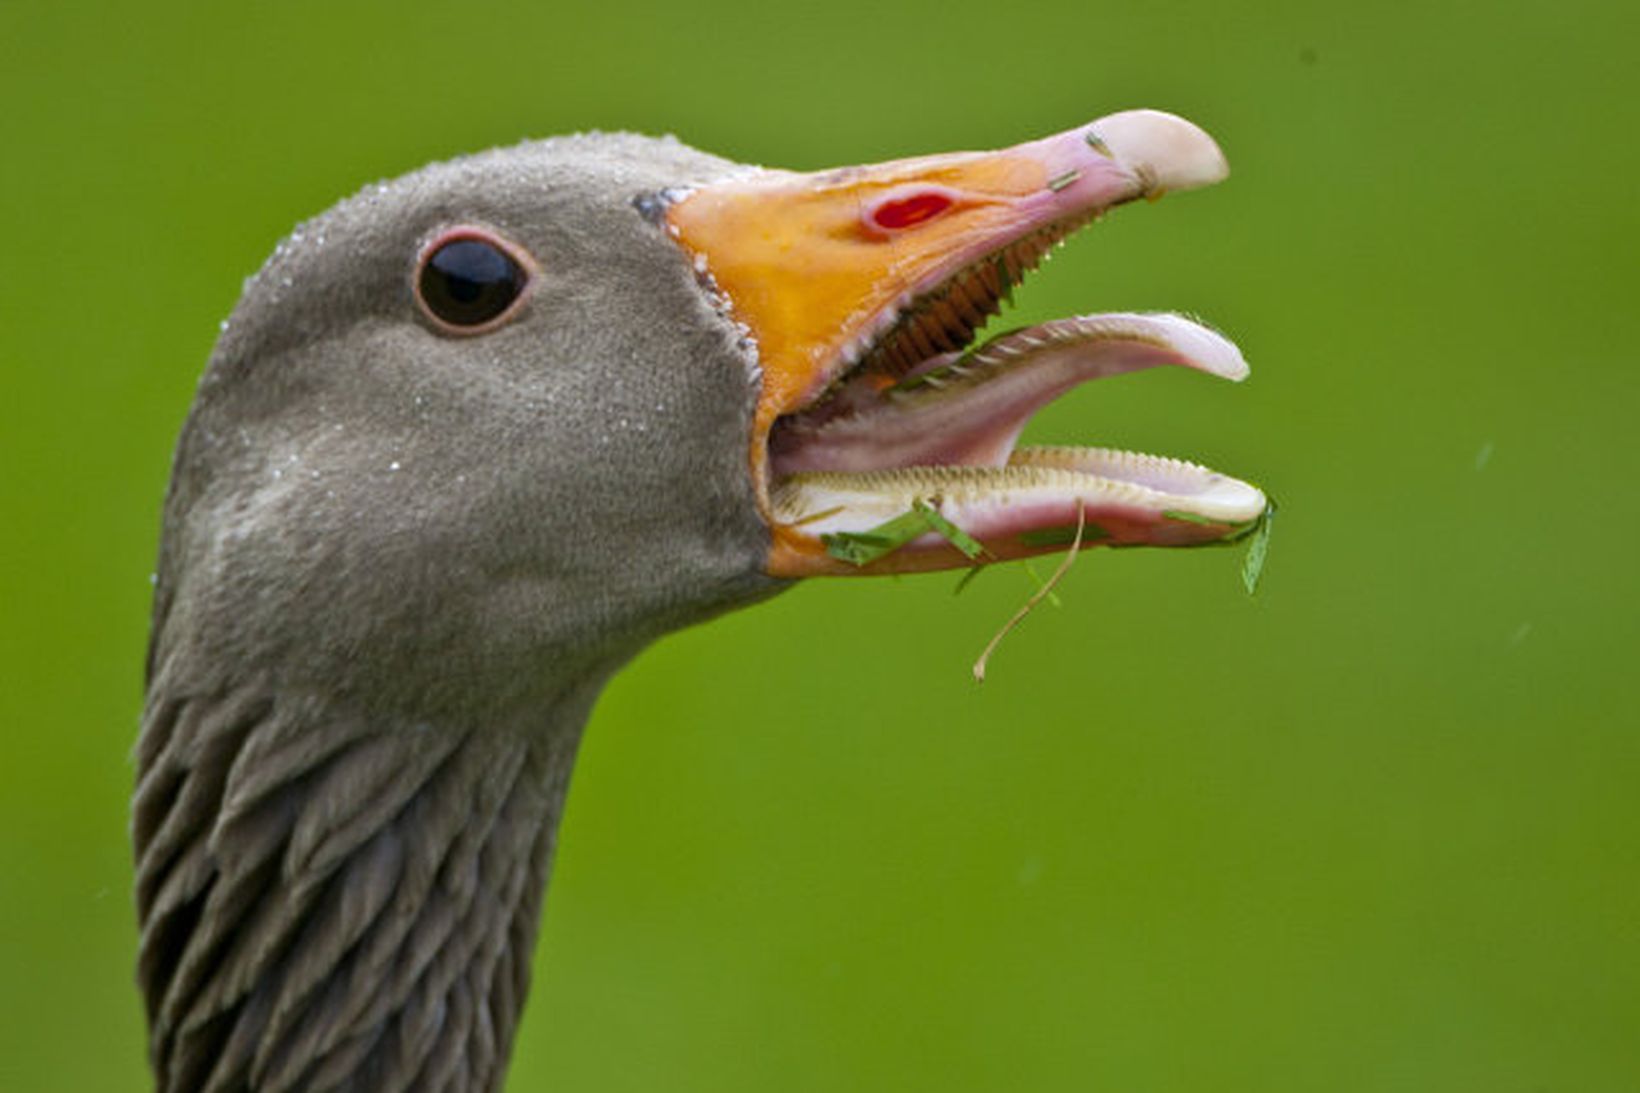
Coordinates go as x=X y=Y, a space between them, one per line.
x=396 y=565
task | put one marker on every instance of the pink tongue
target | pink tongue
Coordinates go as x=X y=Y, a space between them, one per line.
x=971 y=414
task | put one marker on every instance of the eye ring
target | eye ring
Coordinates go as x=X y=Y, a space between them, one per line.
x=470 y=280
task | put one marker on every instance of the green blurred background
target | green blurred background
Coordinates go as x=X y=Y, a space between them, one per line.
x=1378 y=829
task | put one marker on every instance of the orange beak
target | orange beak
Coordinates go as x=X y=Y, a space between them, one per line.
x=823 y=269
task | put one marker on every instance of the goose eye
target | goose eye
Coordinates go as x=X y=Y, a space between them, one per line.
x=469 y=281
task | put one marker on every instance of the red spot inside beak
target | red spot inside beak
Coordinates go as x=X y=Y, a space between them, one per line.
x=907 y=211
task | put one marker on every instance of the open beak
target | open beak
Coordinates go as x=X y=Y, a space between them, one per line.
x=883 y=441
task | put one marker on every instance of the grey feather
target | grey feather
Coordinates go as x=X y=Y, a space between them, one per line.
x=396 y=569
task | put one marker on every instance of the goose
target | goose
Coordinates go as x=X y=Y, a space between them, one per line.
x=473 y=438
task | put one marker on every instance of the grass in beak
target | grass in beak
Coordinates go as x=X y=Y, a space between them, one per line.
x=1030 y=571
x=1040 y=594
x=954 y=535
x=863 y=547
x=967 y=579
x=1252 y=566
x=1059 y=182
x=1255 y=531
x=1191 y=518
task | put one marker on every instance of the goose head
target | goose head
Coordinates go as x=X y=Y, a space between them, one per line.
x=474 y=437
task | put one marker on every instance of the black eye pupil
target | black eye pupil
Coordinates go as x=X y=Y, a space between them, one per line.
x=468 y=282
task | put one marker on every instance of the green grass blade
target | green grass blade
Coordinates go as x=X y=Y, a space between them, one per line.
x=1252 y=567
x=1043 y=589
x=967 y=579
x=954 y=535
x=864 y=547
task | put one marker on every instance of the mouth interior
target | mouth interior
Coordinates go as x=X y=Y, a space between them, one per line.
x=919 y=416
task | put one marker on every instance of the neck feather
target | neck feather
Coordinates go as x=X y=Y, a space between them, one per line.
x=332 y=903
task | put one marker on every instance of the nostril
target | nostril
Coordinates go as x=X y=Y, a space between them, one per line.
x=903 y=209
